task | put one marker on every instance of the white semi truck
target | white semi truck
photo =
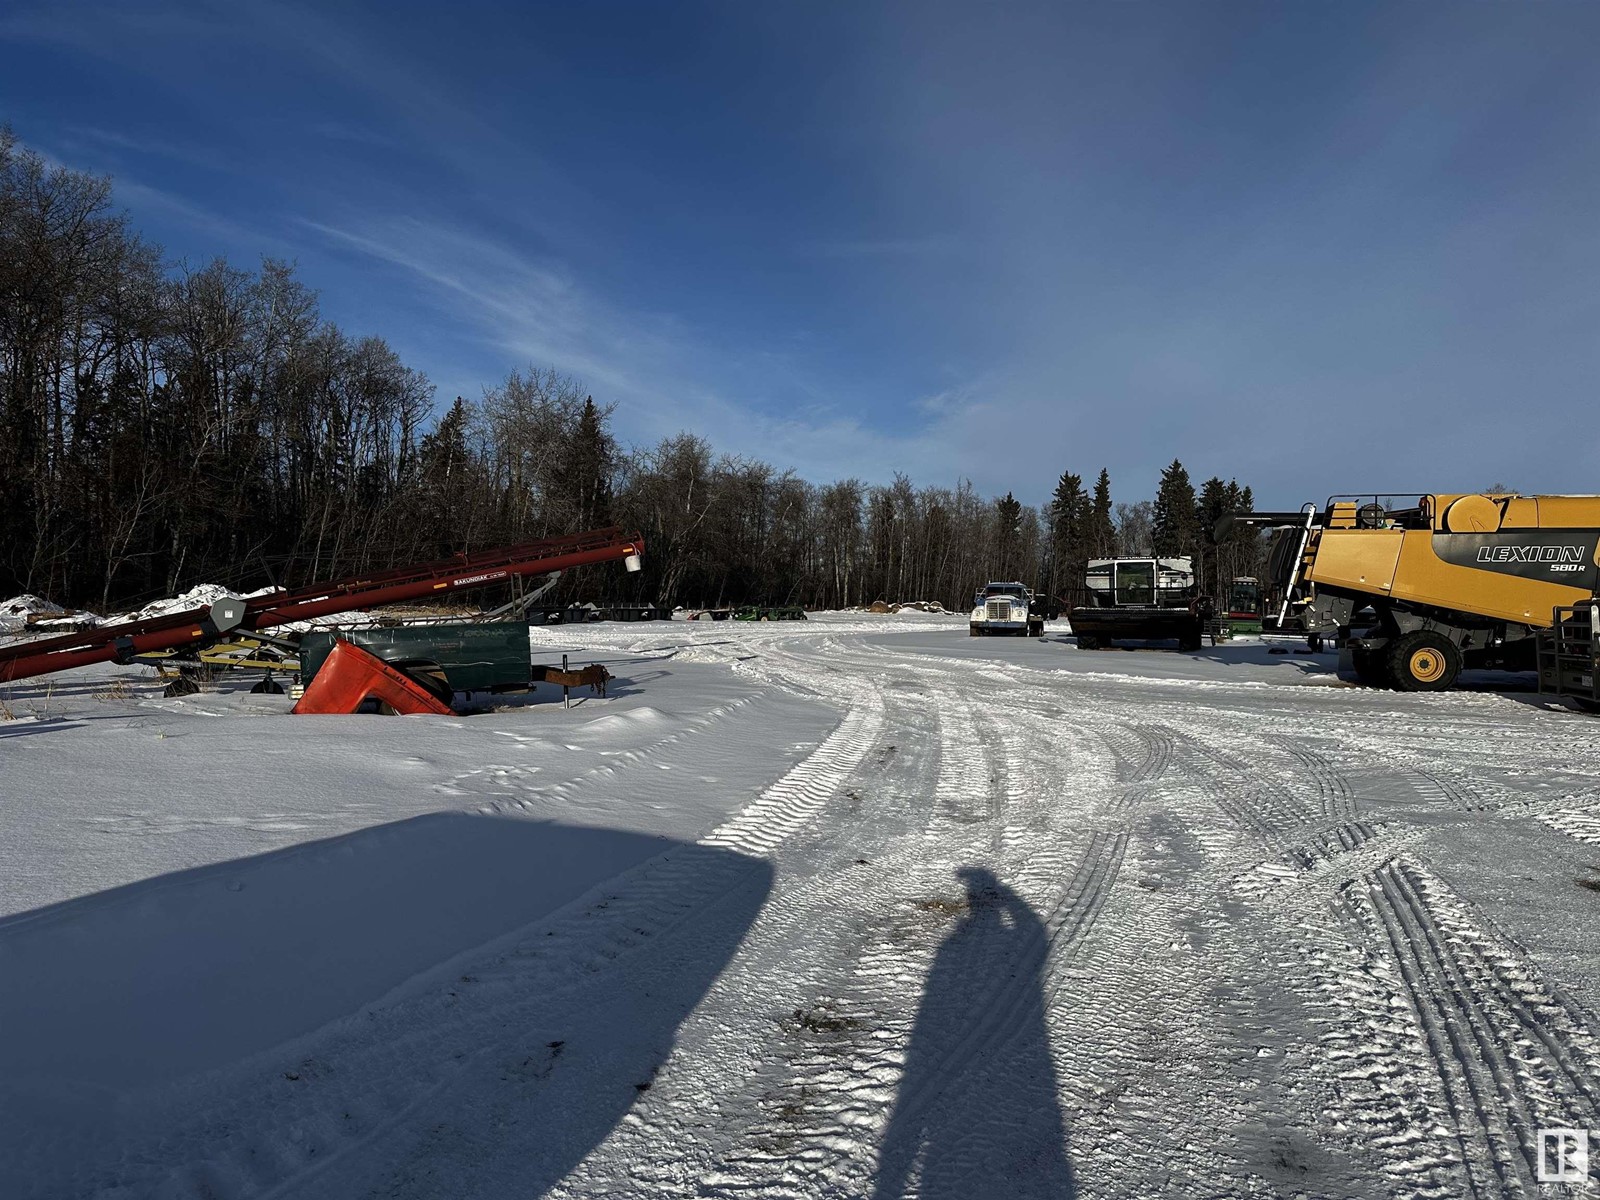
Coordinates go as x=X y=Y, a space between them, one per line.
x=1005 y=610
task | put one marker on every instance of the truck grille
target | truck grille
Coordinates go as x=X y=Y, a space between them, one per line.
x=999 y=610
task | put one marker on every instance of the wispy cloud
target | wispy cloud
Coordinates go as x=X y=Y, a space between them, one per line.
x=1134 y=233
x=903 y=247
x=349 y=131
x=148 y=199
x=140 y=145
x=669 y=376
x=233 y=233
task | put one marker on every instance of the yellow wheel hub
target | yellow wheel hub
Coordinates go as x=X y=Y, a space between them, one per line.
x=1427 y=665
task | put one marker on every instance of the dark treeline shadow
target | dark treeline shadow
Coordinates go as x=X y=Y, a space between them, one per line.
x=977 y=1114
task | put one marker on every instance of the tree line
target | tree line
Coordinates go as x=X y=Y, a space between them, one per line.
x=1178 y=523
x=163 y=425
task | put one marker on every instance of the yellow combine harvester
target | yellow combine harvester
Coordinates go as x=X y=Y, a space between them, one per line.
x=1419 y=587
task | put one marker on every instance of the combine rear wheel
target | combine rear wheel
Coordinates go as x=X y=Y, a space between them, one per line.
x=1423 y=662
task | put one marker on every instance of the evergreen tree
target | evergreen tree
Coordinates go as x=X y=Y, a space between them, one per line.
x=447 y=474
x=1069 y=533
x=1216 y=498
x=1102 y=541
x=443 y=453
x=1244 y=550
x=589 y=467
x=1008 y=536
x=1176 y=528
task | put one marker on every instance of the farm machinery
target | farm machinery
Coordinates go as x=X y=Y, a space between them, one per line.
x=341 y=670
x=1140 y=599
x=1244 y=608
x=1416 y=588
x=1569 y=654
x=259 y=631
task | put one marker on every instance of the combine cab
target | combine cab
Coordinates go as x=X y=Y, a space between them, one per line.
x=1418 y=587
x=1140 y=599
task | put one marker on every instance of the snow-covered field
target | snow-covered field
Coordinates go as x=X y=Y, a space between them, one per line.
x=860 y=907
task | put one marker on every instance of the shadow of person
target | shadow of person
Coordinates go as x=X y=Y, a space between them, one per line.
x=977 y=1113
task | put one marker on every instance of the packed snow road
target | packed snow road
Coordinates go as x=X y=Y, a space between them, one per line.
x=855 y=908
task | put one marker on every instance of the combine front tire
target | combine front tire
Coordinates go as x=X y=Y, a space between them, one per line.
x=1423 y=662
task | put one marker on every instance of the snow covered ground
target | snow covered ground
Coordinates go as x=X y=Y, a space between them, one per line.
x=860 y=907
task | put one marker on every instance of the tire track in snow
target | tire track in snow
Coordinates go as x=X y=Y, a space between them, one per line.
x=821 y=1122
x=793 y=1100
x=1371 y=1043
x=1256 y=806
x=1305 y=870
x=849 y=1086
x=1511 y=1054
x=791 y=802
x=1580 y=823
x=1382 y=1090
x=1054 y=774
x=962 y=795
x=1437 y=787
x=1070 y=889
x=1338 y=801
x=1157 y=742
x=520 y=982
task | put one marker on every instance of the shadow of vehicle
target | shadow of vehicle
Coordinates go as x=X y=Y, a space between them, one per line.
x=199 y=987
x=977 y=1113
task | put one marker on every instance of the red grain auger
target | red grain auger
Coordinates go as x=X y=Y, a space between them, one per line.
x=198 y=627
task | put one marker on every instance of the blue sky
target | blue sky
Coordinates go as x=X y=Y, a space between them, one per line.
x=1319 y=247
